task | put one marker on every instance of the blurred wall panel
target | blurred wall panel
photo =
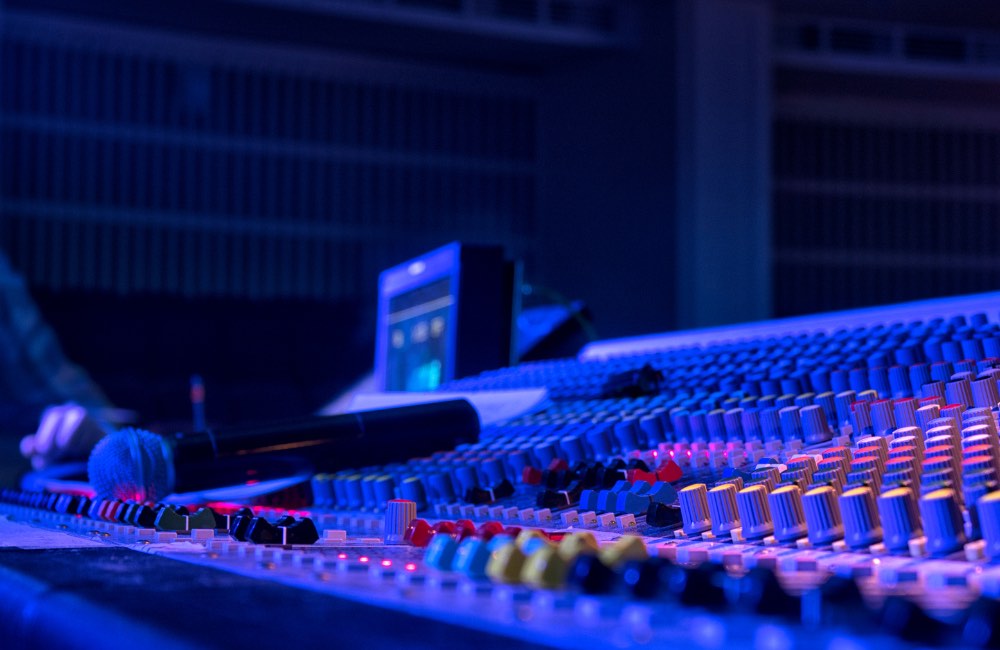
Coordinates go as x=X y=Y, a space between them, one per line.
x=137 y=161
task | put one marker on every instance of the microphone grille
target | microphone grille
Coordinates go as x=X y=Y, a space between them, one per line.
x=131 y=464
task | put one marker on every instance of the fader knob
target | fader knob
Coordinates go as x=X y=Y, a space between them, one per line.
x=988 y=508
x=412 y=489
x=751 y=502
x=786 y=508
x=900 y=520
x=814 y=424
x=943 y=523
x=984 y=392
x=722 y=508
x=398 y=515
x=694 y=509
x=861 y=523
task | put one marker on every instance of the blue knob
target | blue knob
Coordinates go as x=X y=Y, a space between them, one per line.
x=943 y=523
x=722 y=509
x=693 y=501
x=627 y=433
x=770 y=424
x=959 y=391
x=899 y=382
x=371 y=501
x=815 y=428
x=908 y=354
x=805 y=399
x=827 y=403
x=441 y=487
x=905 y=412
x=517 y=460
x=733 y=420
x=920 y=374
x=883 y=417
x=984 y=392
x=716 y=425
x=785 y=401
x=843 y=402
x=862 y=527
x=750 y=421
x=900 y=520
x=412 y=489
x=751 y=503
x=878 y=379
x=822 y=515
x=820 y=380
x=861 y=419
x=699 y=429
x=952 y=351
x=791 y=425
x=465 y=478
x=972 y=349
x=573 y=449
x=682 y=429
x=858 y=379
x=840 y=381
x=322 y=489
x=355 y=494
x=785 y=503
x=988 y=509
x=942 y=371
x=492 y=471
x=791 y=385
x=652 y=426
x=932 y=349
x=385 y=489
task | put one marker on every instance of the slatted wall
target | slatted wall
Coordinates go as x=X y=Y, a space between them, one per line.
x=886 y=164
x=136 y=162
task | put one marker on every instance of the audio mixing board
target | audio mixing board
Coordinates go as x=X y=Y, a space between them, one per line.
x=820 y=482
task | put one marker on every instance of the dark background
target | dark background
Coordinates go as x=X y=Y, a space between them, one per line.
x=212 y=187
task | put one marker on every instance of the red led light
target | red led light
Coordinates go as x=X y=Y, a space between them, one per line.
x=387 y=563
x=342 y=556
x=410 y=566
x=363 y=559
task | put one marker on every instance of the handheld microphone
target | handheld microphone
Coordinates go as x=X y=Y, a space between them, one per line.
x=133 y=464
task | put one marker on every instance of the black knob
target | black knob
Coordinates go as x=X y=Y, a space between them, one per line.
x=701 y=586
x=302 y=531
x=169 y=518
x=591 y=575
x=143 y=517
x=646 y=579
x=261 y=531
x=980 y=629
x=238 y=527
x=659 y=515
x=838 y=601
x=760 y=592
x=907 y=620
x=638 y=463
x=285 y=520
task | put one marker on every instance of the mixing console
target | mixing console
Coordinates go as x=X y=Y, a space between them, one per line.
x=823 y=482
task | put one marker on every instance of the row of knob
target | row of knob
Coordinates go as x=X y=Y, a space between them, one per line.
x=791 y=364
x=858 y=516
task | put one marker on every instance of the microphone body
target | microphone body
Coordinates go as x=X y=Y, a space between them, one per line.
x=144 y=466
